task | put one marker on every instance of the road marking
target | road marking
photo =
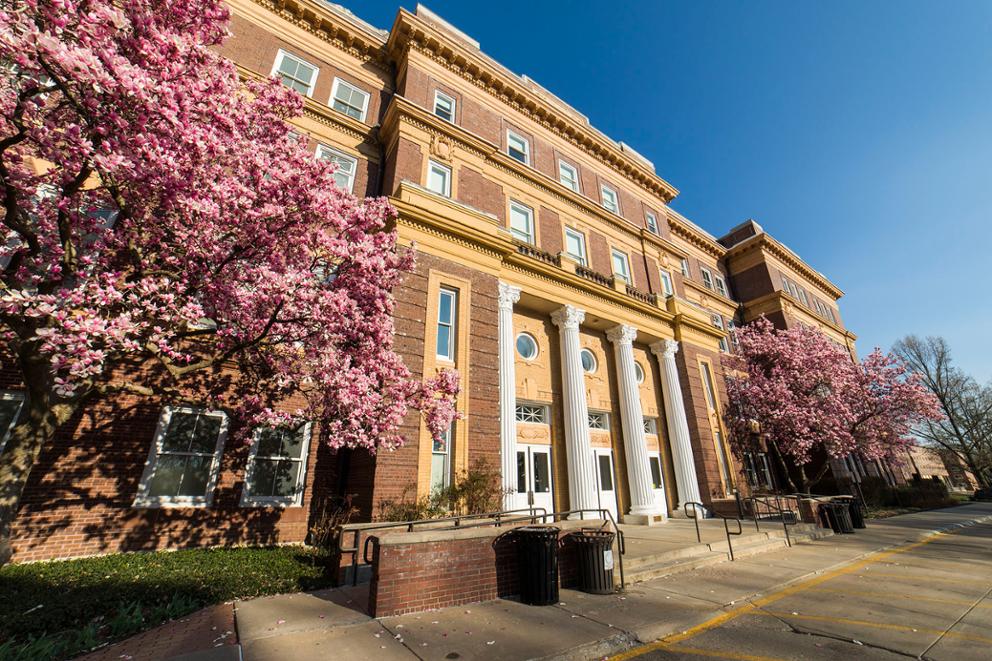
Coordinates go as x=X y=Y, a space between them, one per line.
x=921 y=579
x=717 y=654
x=889 y=595
x=868 y=623
x=788 y=591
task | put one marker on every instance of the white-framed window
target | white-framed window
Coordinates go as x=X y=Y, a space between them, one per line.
x=599 y=420
x=526 y=346
x=731 y=330
x=707 y=277
x=439 y=178
x=794 y=290
x=803 y=297
x=277 y=467
x=575 y=245
x=638 y=372
x=651 y=426
x=685 y=268
x=666 y=283
x=721 y=284
x=708 y=386
x=654 y=462
x=518 y=147
x=11 y=403
x=621 y=265
x=295 y=73
x=534 y=413
x=441 y=460
x=609 y=198
x=652 y=221
x=718 y=322
x=588 y=361
x=568 y=175
x=344 y=176
x=182 y=465
x=444 y=106
x=447 y=306
x=350 y=100
x=521 y=222
x=833 y=317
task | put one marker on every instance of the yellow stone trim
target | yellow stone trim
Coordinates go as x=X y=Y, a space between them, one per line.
x=716 y=423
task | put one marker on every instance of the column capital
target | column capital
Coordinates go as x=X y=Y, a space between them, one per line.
x=508 y=295
x=568 y=317
x=622 y=334
x=666 y=348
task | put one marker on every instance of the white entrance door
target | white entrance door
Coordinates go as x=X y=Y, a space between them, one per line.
x=534 y=476
x=654 y=462
x=606 y=480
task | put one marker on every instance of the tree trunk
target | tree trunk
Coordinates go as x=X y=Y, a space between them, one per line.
x=783 y=465
x=40 y=416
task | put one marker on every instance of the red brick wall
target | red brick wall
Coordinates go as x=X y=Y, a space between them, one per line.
x=405 y=163
x=551 y=232
x=599 y=254
x=476 y=190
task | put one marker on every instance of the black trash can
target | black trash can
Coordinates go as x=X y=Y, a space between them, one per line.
x=537 y=561
x=595 y=553
x=828 y=516
x=843 y=513
x=856 y=512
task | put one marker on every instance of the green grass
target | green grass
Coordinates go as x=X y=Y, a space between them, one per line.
x=54 y=610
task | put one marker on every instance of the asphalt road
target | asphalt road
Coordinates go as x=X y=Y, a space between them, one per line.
x=930 y=599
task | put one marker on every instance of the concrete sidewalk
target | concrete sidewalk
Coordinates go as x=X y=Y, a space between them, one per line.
x=332 y=622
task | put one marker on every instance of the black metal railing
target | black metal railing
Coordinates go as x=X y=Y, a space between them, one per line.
x=606 y=515
x=537 y=253
x=774 y=510
x=644 y=297
x=589 y=274
x=726 y=523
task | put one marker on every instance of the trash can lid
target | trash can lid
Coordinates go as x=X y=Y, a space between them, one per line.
x=538 y=529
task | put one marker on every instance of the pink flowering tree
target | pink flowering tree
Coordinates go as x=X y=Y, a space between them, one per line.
x=168 y=237
x=806 y=398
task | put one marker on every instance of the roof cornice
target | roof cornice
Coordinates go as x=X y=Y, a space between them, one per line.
x=695 y=237
x=766 y=243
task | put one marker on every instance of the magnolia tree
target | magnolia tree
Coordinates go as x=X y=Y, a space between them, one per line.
x=168 y=237
x=806 y=397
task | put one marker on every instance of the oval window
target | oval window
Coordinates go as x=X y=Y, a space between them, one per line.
x=588 y=361
x=639 y=372
x=526 y=346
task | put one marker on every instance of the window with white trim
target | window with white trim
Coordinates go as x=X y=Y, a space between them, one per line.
x=447 y=305
x=350 y=100
x=654 y=461
x=277 y=466
x=11 y=403
x=526 y=346
x=182 y=465
x=707 y=277
x=638 y=372
x=568 y=175
x=611 y=202
x=575 y=245
x=732 y=331
x=621 y=265
x=533 y=413
x=444 y=106
x=599 y=420
x=344 y=176
x=521 y=222
x=666 y=283
x=588 y=361
x=651 y=426
x=295 y=73
x=517 y=147
x=685 y=268
x=718 y=322
x=652 y=222
x=439 y=178
x=441 y=460
x=803 y=297
x=721 y=284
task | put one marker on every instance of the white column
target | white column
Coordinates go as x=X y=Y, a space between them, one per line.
x=508 y=295
x=578 y=449
x=678 y=426
x=642 y=496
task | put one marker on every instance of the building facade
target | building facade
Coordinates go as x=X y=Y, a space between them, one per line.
x=588 y=319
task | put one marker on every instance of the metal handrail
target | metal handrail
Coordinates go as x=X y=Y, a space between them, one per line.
x=726 y=527
x=790 y=520
x=606 y=515
x=694 y=517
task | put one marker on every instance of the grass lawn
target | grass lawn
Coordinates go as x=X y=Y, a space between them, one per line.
x=55 y=610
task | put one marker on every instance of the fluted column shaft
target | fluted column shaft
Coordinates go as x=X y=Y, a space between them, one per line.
x=678 y=426
x=642 y=496
x=508 y=295
x=581 y=477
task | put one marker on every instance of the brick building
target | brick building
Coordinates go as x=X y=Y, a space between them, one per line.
x=588 y=319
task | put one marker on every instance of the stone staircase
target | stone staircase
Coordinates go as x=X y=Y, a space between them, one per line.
x=696 y=555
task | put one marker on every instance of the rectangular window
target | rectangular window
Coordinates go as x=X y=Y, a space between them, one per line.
x=610 y=200
x=439 y=179
x=685 y=268
x=441 y=461
x=532 y=413
x=568 y=176
x=277 y=467
x=444 y=106
x=10 y=408
x=521 y=222
x=794 y=290
x=599 y=420
x=605 y=472
x=666 y=283
x=295 y=73
x=652 y=221
x=803 y=298
x=447 y=305
x=717 y=320
x=833 y=317
x=785 y=284
x=621 y=266
x=721 y=285
x=650 y=426
x=655 y=462
x=542 y=472
x=348 y=99
x=707 y=277
x=708 y=386
x=731 y=326
x=521 y=472
x=182 y=465
x=575 y=245
x=517 y=147
x=344 y=176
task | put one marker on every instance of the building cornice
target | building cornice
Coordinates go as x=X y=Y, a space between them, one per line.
x=781 y=301
x=767 y=244
x=409 y=31
x=693 y=236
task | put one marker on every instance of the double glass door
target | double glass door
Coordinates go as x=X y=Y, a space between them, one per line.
x=534 y=476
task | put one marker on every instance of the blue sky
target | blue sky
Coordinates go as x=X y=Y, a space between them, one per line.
x=858 y=133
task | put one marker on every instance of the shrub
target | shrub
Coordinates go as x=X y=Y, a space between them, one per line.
x=922 y=494
x=476 y=491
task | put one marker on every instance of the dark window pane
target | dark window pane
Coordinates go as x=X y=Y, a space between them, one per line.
x=292 y=444
x=196 y=476
x=655 y=471
x=263 y=477
x=605 y=473
x=167 y=476
x=542 y=473
x=269 y=442
x=205 y=436
x=180 y=432
x=522 y=472
x=285 y=478
x=444 y=341
x=8 y=412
